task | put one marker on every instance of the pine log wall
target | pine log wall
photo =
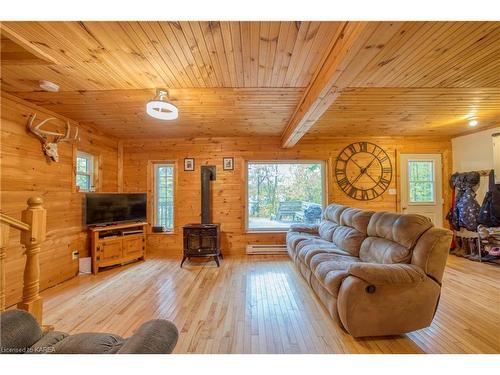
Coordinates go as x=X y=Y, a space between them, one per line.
x=229 y=189
x=26 y=173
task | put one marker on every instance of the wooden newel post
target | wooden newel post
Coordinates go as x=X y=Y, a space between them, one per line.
x=35 y=216
x=4 y=240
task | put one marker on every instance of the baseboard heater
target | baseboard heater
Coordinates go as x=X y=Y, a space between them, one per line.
x=266 y=249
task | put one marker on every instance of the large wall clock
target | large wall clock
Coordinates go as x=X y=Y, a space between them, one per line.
x=363 y=171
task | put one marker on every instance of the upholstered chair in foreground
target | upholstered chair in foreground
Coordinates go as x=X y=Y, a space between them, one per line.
x=20 y=333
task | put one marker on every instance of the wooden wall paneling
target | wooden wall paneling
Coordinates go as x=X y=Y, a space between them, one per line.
x=25 y=173
x=229 y=190
x=119 y=177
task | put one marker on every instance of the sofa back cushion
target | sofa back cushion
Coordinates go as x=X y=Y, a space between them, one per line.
x=351 y=232
x=331 y=220
x=332 y=212
x=392 y=237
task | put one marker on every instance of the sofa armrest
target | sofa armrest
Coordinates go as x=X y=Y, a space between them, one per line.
x=387 y=274
x=305 y=228
x=386 y=309
x=153 y=337
x=19 y=330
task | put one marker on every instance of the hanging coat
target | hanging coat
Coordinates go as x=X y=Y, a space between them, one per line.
x=489 y=214
x=467 y=206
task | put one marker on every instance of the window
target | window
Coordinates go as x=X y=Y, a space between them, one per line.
x=85 y=171
x=164 y=195
x=421 y=181
x=283 y=193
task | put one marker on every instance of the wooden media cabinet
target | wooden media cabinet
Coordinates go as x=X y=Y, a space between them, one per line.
x=117 y=244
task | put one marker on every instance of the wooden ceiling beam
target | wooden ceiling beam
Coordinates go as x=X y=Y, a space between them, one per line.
x=39 y=56
x=323 y=89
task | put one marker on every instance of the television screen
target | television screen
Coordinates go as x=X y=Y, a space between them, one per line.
x=107 y=208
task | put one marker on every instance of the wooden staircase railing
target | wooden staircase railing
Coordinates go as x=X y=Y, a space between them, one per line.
x=32 y=225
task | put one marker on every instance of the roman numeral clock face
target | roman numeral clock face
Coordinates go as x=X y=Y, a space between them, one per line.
x=363 y=171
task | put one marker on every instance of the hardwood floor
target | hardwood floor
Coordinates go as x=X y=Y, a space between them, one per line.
x=261 y=304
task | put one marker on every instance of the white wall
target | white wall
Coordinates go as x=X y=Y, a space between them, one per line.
x=473 y=152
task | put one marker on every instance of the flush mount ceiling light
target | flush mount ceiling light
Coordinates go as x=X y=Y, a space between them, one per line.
x=48 y=86
x=473 y=123
x=159 y=108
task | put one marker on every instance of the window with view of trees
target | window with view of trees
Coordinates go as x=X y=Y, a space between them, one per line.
x=283 y=193
x=164 y=195
x=85 y=171
x=421 y=179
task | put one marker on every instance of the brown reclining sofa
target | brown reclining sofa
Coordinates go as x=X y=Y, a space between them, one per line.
x=378 y=273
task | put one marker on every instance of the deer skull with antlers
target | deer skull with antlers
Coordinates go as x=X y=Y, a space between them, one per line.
x=50 y=148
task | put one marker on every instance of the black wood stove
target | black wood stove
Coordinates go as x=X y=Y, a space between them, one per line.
x=203 y=240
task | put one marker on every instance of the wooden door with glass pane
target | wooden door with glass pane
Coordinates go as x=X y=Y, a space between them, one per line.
x=422 y=186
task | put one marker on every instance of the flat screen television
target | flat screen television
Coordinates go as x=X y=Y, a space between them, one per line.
x=110 y=208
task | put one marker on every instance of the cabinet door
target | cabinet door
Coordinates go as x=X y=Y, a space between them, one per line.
x=111 y=249
x=133 y=245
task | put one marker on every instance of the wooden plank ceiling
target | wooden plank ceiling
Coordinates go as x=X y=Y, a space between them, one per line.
x=433 y=111
x=248 y=78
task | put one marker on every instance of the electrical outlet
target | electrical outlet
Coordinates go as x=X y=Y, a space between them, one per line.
x=74 y=254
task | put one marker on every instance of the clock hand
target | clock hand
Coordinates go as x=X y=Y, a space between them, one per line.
x=359 y=166
x=357 y=178
x=369 y=165
x=365 y=170
x=372 y=178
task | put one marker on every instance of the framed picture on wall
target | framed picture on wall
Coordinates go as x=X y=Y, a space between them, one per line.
x=189 y=164
x=228 y=164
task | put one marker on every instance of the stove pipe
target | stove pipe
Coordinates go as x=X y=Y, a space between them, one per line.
x=207 y=175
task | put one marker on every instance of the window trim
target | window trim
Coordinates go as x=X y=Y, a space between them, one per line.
x=92 y=173
x=154 y=165
x=434 y=183
x=324 y=198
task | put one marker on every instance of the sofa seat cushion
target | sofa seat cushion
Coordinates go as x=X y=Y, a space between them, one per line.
x=331 y=269
x=89 y=343
x=308 y=249
x=312 y=241
x=380 y=250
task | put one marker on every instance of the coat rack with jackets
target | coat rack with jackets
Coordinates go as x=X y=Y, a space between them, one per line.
x=476 y=227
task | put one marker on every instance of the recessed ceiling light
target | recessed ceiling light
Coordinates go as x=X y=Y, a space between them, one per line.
x=473 y=123
x=48 y=86
x=159 y=108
